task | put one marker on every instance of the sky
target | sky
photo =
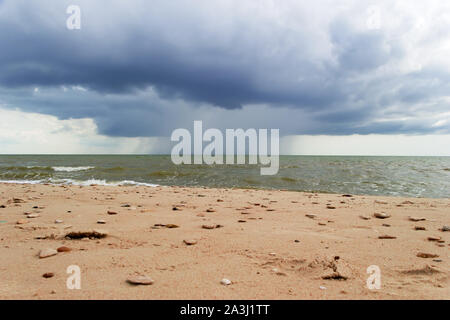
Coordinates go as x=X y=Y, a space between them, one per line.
x=336 y=77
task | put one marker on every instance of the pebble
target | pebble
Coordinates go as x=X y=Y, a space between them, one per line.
x=48 y=275
x=387 y=237
x=322 y=288
x=171 y=226
x=140 y=280
x=381 y=215
x=209 y=226
x=427 y=255
x=210 y=210
x=311 y=216
x=101 y=222
x=416 y=219
x=33 y=215
x=278 y=272
x=22 y=221
x=225 y=282
x=45 y=253
x=63 y=249
x=434 y=238
x=58 y=221
x=112 y=212
x=418 y=228
x=190 y=242
x=445 y=228
x=364 y=217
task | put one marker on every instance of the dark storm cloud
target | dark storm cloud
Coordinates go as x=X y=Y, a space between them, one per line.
x=212 y=56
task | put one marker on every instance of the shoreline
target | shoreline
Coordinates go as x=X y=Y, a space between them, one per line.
x=150 y=185
x=271 y=244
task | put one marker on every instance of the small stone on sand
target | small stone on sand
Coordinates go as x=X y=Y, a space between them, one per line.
x=33 y=215
x=427 y=255
x=225 y=282
x=190 y=242
x=381 y=215
x=63 y=249
x=416 y=219
x=58 y=221
x=278 y=272
x=112 y=212
x=387 y=237
x=45 y=253
x=140 y=280
x=22 y=221
x=48 y=275
x=101 y=222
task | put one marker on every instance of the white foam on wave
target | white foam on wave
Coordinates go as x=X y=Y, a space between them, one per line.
x=105 y=183
x=22 y=181
x=71 y=169
x=82 y=183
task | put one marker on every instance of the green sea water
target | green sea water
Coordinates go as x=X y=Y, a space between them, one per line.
x=391 y=176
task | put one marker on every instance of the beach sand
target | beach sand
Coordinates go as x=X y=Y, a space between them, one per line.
x=269 y=244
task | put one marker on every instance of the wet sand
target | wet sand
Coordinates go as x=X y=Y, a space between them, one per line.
x=269 y=244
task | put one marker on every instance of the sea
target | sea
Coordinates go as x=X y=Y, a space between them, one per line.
x=361 y=175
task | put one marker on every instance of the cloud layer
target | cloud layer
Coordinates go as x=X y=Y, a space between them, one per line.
x=142 y=68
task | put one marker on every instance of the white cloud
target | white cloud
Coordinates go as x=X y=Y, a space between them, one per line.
x=34 y=133
x=367 y=145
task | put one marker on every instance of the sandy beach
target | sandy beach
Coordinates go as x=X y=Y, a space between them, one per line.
x=269 y=244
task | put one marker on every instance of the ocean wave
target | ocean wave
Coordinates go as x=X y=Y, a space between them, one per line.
x=26 y=168
x=71 y=169
x=23 y=181
x=82 y=182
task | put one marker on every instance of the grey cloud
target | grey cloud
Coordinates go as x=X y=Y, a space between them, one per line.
x=206 y=61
